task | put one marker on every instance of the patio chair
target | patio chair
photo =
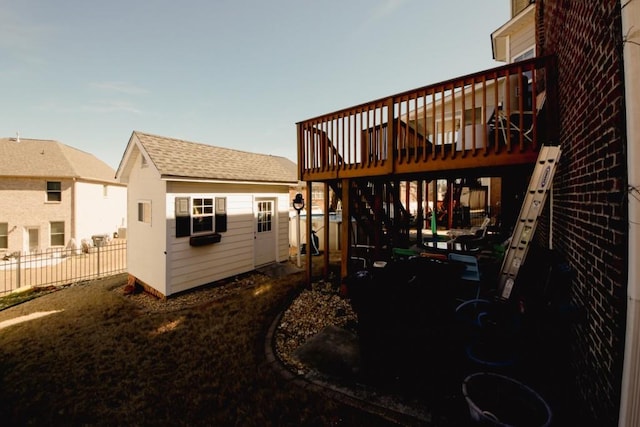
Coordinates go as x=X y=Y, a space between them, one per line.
x=518 y=123
x=471 y=272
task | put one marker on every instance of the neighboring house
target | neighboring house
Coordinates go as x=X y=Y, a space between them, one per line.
x=52 y=195
x=198 y=213
x=585 y=56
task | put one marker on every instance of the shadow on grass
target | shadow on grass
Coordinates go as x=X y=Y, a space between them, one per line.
x=104 y=360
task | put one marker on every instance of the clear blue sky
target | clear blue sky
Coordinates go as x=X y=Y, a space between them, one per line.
x=230 y=73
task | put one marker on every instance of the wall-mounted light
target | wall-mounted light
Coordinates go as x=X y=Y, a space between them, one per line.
x=298 y=202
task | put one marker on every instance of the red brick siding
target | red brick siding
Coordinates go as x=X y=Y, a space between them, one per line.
x=590 y=215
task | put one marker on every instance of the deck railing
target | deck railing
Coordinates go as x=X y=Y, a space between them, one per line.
x=491 y=118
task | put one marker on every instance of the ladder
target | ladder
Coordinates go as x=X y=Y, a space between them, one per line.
x=539 y=185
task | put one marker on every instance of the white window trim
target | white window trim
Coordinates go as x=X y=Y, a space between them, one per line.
x=531 y=48
x=142 y=220
x=51 y=233
x=47 y=191
x=202 y=215
x=5 y=235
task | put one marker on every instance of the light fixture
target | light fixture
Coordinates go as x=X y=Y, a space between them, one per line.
x=298 y=202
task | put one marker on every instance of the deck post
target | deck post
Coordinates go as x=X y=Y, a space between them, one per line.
x=309 y=225
x=420 y=211
x=345 y=236
x=391 y=135
x=325 y=233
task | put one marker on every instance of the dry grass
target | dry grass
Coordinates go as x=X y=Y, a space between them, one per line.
x=103 y=359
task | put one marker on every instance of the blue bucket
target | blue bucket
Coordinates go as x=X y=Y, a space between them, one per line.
x=497 y=400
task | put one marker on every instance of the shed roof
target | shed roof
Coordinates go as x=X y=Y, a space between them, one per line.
x=45 y=158
x=176 y=158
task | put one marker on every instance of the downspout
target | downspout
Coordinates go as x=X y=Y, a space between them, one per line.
x=630 y=391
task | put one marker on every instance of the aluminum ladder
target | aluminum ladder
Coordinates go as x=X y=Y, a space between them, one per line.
x=539 y=185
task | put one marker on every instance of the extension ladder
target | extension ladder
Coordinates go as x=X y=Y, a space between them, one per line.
x=539 y=185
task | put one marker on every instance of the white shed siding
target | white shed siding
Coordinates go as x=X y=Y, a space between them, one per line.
x=146 y=243
x=97 y=213
x=283 y=227
x=194 y=266
x=188 y=266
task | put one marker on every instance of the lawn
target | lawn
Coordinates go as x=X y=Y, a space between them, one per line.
x=102 y=358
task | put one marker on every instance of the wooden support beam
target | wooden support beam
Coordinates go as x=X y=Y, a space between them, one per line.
x=345 y=237
x=325 y=232
x=308 y=257
x=420 y=212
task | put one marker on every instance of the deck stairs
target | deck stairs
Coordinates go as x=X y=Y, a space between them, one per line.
x=382 y=220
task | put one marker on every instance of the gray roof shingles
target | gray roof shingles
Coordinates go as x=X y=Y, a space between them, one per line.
x=183 y=159
x=46 y=158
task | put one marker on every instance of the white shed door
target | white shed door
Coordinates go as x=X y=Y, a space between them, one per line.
x=265 y=231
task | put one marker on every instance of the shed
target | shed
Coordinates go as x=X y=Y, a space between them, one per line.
x=198 y=213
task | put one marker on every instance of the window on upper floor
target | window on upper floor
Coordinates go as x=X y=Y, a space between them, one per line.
x=4 y=235
x=57 y=233
x=54 y=191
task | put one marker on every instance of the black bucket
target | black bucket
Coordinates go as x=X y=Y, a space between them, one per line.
x=497 y=400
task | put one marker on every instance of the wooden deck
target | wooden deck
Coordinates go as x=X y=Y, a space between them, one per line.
x=489 y=123
x=487 y=119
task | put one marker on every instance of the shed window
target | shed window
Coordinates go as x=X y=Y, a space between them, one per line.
x=54 y=191
x=202 y=220
x=57 y=233
x=4 y=235
x=265 y=216
x=144 y=212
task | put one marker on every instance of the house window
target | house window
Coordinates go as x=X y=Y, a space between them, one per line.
x=202 y=220
x=4 y=235
x=54 y=191
x=57 y=233
x=527 y=54
x=473 y=116
x=105 y=191
x=144 y=212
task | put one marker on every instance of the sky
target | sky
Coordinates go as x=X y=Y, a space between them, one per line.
x=231 y=73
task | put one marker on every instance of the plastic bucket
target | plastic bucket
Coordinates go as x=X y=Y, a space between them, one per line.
x=497 y=400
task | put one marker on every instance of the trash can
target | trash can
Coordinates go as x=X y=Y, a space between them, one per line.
x=99 y=240
x=498 y=400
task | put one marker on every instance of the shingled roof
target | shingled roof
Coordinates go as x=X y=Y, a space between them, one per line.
x=45 y=158
x=176 y=158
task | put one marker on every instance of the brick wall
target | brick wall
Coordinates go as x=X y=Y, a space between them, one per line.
x=590 y=214
x=23 y=205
